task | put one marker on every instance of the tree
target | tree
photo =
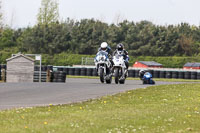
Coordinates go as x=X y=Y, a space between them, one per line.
x=48 y=13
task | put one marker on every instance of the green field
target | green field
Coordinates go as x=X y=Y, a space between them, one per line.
x=165 y=108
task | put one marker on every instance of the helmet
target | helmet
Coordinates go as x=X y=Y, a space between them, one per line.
x=120 y=46
x=141 y=73
x=104 y=45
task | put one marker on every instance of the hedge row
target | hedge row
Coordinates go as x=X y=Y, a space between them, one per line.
x=65 y=59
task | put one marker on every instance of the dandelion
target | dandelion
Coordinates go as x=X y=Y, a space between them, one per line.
x=25 y=126
x=50 y=104
x=22 y=117
x=81 y=108
x=104 y=102
x=129 y=92
x=45 y=123
x=140 y=97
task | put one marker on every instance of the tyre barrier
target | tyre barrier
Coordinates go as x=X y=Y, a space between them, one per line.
x=71 y=71
x=43 y=68
x=89 y=71
x=58 y=76
x=36 y=76
x=156 y=74
x=131 y=73
x=77 y=71
x=181 y=74
x=3 y=66
x=174 y=74
x=198 y=75
x=168 y=74
x=137 y=73
x=66 y=70
x=187 y=75
x=162 y=74
x=94 y=72
x=193 y=75
x=83 y=71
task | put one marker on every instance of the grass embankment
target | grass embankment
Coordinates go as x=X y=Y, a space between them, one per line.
x=166 y=108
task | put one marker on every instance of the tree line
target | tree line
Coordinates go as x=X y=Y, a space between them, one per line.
x=85 y=36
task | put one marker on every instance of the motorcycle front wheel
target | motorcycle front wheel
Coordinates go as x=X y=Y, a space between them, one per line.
x=101 y=75
x=116 y=75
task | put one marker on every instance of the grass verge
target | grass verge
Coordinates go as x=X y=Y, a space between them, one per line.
x=165 y=108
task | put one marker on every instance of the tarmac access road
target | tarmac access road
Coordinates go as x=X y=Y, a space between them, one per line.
x=17 y=95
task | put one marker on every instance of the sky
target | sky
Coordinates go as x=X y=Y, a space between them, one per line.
x=23 y=13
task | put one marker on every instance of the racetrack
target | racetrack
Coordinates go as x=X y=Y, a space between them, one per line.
x=16 y=95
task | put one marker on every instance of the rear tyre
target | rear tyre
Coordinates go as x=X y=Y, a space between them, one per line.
x=153 y=82
x=101 y=75
x=116 y=75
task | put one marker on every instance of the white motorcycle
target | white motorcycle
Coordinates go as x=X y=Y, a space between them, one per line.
x=103 y=67
x=120 y=71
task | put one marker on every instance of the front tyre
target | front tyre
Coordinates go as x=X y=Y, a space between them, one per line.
x=122 y=81
x=116 y=75
x=109 y=80
x=101 y=75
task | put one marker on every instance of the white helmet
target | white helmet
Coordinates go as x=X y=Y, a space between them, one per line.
x=104 y=45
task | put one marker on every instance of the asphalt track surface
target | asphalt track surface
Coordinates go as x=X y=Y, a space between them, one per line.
x=17 y=95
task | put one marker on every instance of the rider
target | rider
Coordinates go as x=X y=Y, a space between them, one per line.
x=120 y=49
